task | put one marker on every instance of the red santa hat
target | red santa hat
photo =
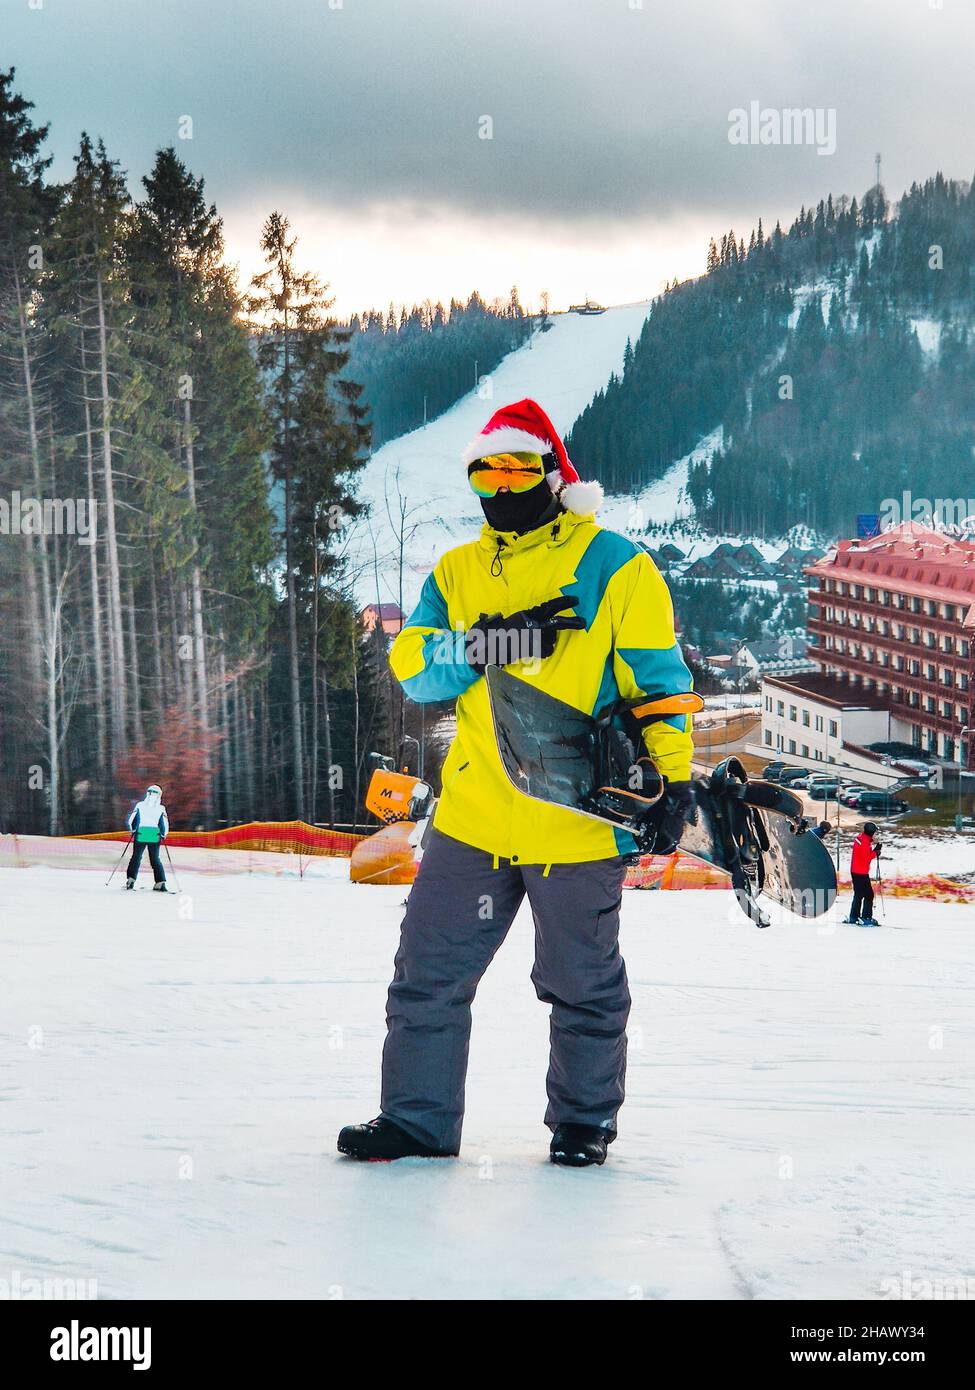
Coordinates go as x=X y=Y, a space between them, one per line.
x=525 y=428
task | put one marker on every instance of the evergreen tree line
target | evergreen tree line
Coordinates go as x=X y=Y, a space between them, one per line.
x=413 y=365
x=202 y=641
x=713 y=612
x=827 y=403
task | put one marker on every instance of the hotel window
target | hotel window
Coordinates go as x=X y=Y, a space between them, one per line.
x=833 y=728
x=805 y=719
x=931 y=705
x=805 y=750
x=792 y=745
x=819 y=723
x=793 y=713
x=947 y=710
x=949 y=612
x=768 y=737
x=780 y=708
x=931 y=671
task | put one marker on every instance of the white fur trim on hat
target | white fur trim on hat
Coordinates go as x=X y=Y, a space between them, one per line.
x=505 y=441
x=581 y=498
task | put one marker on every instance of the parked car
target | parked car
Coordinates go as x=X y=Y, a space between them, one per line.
x=849 y=796
x=877 y=803
x=788 y=777
x=824 y=791
x=815 y=779
x=772 y=772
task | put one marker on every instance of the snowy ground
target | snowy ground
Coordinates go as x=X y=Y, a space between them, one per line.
x=798 y=1121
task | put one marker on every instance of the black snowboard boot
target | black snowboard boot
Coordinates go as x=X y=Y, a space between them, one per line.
x=576 y=1146
x=380 y=1141
x=160 y=888
x=130 y=883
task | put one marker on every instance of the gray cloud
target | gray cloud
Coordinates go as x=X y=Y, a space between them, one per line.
x=601 y=112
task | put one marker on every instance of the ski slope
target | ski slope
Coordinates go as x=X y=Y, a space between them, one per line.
x=561 y=369
x=174 y=1071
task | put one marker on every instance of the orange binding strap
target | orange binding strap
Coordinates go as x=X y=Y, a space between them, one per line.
x=689 y=702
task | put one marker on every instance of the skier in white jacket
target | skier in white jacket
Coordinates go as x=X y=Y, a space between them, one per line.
x=149 y=826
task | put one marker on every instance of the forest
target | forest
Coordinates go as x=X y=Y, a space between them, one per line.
x=203 y=641
x=803 y=344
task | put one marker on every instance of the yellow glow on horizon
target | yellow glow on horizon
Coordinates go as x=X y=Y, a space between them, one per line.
x=406 y=255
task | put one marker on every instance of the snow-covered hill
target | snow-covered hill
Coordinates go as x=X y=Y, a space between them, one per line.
x=561 y=369
x=177 y=1070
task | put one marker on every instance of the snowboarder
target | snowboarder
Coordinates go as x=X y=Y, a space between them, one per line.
x=864 y=853
x=149 y=826
x=583 y=614
x=821 y=830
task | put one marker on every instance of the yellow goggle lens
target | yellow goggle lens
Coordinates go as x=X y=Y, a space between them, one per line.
x=517 y=472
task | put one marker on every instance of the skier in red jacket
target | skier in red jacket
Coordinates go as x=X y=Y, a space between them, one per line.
x=864 y=853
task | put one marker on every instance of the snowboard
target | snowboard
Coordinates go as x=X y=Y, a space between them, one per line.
x=753 y=831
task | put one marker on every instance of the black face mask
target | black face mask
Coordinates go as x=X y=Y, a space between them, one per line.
x=521 y=511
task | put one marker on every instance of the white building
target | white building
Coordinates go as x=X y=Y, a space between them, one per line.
x=810 y=719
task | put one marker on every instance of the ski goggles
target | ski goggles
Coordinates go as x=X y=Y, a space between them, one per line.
x=516 y=472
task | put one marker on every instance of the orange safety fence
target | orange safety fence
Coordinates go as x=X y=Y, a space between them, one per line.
x=674 y=871
x=280 y=836
x=264 y=847
x=934 y=887
x=295 y=848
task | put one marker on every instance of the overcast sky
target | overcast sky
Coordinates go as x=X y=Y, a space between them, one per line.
x=609 y=164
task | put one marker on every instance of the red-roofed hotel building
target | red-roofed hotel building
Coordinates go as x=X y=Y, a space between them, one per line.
x=891 y=623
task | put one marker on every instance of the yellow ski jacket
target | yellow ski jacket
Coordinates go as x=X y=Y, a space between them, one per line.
x=627 y=649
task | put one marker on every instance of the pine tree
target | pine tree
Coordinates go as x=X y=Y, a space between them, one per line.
x=318 y=442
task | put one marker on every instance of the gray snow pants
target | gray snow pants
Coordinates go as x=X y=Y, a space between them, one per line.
x=458 y=914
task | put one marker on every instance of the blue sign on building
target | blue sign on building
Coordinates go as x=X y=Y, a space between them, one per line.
x=868 y=524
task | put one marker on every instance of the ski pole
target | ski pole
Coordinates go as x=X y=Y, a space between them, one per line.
x=120 y=858
x=170 y=858
x=880 y=889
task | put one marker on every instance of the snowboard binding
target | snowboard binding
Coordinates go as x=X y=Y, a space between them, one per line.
x=621 y=796
x=743 y=834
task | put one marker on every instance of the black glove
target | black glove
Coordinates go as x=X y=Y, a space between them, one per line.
x=663 y=824
x=524 y=636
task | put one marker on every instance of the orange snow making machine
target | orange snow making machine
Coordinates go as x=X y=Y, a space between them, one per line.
x=400 y=801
